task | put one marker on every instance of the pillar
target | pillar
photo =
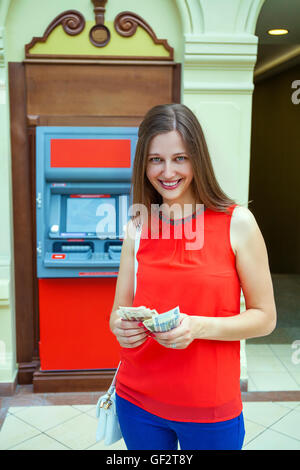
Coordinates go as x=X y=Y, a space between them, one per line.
x=8 y=366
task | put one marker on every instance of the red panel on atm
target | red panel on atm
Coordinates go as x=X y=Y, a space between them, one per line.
x=74 y=324
x=90 y=153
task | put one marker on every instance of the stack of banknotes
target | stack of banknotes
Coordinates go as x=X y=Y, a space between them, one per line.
x=150 y=318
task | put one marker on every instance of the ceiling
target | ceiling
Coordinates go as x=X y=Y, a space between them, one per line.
x=277 y=53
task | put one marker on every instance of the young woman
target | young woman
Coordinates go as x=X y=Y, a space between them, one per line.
x=184 y=384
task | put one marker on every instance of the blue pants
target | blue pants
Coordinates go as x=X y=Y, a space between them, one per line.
x=142 y=430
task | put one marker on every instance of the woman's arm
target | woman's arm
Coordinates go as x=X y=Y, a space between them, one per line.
x=252 y=266
x=128 y=333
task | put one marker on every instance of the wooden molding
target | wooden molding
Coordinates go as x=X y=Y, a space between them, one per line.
x=72 y=22
x=91 y=59
x=99 y=34
x=79 y=381
x=72 y=381
x=33 y=120
x=126 y=24
x=26 y=371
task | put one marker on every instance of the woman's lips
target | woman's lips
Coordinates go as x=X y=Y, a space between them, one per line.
x=170 y=186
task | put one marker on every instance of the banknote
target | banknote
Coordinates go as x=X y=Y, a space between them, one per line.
x=164 y=322
x=136 y=313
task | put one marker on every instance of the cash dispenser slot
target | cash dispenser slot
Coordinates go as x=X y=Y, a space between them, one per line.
x=76 y=251
x=113 y=248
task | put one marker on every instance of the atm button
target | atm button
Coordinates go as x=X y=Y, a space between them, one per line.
x=59 y=256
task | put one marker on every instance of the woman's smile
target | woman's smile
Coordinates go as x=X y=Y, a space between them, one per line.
x=170 y=185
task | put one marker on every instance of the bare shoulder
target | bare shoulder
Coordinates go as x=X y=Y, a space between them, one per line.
x=242 y=228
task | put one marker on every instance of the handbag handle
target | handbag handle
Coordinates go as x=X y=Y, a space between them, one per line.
x=112 y=385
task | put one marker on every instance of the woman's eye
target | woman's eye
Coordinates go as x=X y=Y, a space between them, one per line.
x=181 y=158
x=155 y=159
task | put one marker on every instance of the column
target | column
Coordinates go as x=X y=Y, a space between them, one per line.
x=8 y=366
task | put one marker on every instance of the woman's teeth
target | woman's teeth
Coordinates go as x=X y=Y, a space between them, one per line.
x=170 y=184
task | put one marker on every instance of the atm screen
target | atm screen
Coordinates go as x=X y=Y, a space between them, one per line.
x=94 y=214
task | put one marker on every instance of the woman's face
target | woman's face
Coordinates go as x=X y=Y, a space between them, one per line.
x=169 y=168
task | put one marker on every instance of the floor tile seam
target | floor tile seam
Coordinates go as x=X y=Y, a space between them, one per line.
x=52 y=427
x=290 y=374
x=256 y=436
x=88 y=413
x=269 y=428
x=40 y=433
x=56 y=440
x=281 y=432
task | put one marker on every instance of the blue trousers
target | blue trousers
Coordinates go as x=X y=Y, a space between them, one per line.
x=144 y=431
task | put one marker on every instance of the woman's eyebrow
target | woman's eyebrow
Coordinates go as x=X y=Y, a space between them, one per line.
x=178 y=153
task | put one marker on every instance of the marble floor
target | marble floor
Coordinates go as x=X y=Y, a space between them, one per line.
x=67 y=421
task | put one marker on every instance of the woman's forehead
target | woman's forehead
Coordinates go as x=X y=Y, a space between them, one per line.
x=167 y=142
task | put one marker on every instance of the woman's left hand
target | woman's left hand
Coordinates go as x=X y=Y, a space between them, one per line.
x=179 y=337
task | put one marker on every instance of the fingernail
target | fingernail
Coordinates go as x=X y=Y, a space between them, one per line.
x=140 y=324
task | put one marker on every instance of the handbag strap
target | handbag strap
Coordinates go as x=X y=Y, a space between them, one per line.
x=112 y=385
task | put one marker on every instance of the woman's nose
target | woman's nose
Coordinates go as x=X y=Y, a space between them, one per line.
x=169 y=170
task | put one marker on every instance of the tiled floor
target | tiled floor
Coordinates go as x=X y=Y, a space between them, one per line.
x=68 y=421
x=273 y=366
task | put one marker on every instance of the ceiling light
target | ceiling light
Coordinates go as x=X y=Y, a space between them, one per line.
x=277 y=32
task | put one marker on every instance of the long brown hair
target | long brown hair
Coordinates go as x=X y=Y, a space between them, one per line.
x=166 y=118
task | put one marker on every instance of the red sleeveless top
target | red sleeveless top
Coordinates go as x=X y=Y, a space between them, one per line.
x=202 y=382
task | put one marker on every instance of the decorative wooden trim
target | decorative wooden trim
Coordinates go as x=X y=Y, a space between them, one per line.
x=33 y=120
x=176 y=92
x=26 y=371
x=23 y=216
x=81 y=121
x=99 y=10
x=72 y=21
x=91 y=59
x=72 y=381
x=126 y=24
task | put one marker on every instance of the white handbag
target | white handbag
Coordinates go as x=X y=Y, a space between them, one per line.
x=108 y=423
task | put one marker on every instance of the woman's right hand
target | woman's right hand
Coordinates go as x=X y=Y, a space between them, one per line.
x=128 y=333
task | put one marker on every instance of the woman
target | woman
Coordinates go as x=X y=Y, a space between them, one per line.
x=184 y=384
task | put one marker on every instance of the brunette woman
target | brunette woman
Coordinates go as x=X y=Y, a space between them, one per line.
x=184 y=384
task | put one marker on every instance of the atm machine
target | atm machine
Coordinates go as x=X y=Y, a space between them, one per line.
x=83 y=178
